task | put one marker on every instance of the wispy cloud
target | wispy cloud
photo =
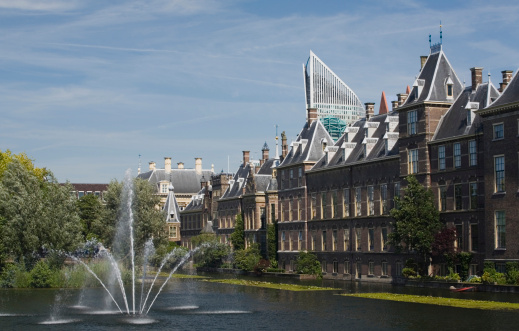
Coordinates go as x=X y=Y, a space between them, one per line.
x=38 y=5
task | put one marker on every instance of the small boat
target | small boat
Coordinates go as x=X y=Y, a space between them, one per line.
x=463 y=289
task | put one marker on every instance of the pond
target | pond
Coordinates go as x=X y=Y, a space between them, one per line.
x=189 y=304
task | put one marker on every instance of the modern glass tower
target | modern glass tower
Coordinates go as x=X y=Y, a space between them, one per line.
x=333 y=99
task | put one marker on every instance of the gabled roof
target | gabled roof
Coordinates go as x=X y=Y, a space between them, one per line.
x=197 y=202
x=432 y=80
x=455 y=122
x=313 y=136
x=171 y=207
x=184 y=180
x=238 y=182
x=510 y=95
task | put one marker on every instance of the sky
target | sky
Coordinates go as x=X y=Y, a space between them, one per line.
x=86 y=86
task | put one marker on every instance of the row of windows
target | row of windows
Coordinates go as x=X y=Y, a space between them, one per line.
x=290 y=181
x=473 y=157
x=347 y=265
x=458 y=196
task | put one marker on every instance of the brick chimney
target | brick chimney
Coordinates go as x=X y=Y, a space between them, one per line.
x=198 y=165
x=423 y=59
x=402 y=97
x=507 y=77
x=383 y=104
x=245 y=157
x=284 y=146
x=311 y=115
x=265 y=152
x=152 y=165
x=370 y=110
x=180 y=165
x=167 y=165
x=394 y=104
x=477 y=77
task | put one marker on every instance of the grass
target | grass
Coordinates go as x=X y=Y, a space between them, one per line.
x=287 y=287
x=440 y=301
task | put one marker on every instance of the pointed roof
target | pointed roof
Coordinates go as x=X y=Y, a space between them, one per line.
x=383 y=104
x=408 y=90
x=509 y=97
x=171 y=207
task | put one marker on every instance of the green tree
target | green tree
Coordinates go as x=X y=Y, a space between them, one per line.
x=91 y=213
x=238 y=236
x=36 y=215
x=416 y=221
x=8 y=157
x=272 y=243
x=247 y=259
x=212 y=252
x=307 y=263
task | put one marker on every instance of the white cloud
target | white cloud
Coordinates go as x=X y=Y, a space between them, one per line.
x=38 y=5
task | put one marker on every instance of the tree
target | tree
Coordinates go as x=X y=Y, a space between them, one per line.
x=212 y=252
x=416 y=221
x=91 y=212
x=272 y=243
x=247 y=259
x=36 y=215
x=307 y=263
x=238 y=236
x=8 y=157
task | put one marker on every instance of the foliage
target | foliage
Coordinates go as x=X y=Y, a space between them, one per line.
x=272 y=243
x=307 y=263
x=452 y=276
x=36 y=216
x=247 y=259
x=464 y=259
x=277 y=286
x=512 y=273
x=444 y=242
x=7 y=157
x=41 y=275
x=262 y=266
x=491 y=276
x=91 y=213
x=417 y=220
x=211 y=253
x=475 y=279
x=408 y=272
x=8 y=275
x=238 y=236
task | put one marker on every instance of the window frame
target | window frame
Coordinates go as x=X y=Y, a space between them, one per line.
x=500 y=229
x=412 y=119
x=473 y=153
x=457 y=155
x=441 y=157
x=498 y=131
x=499 y=174
x=412 y=161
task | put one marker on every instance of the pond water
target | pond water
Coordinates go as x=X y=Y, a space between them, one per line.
x=189 y=304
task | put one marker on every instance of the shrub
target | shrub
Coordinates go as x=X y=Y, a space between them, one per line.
x=41 y=275
x=307 y=263
x=261 y=266
x=452 y=276
x=8 y=275
x=247 y=259
x=512 y=273
x=408 y=272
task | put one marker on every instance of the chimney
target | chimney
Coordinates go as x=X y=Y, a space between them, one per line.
x=198 y=165
x=284 y=146
x=423 y=59
x=245 y=157
x=265 y=152
x=152 y=165
x=477 y=77
x=180 y=165
x=167 y=164
x=394 y=104
x=370 y=109
x=312 y=115
x=507 y=77
x=402 y=97
x=383 y=104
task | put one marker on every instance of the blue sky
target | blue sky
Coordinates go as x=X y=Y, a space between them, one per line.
x=88 y=85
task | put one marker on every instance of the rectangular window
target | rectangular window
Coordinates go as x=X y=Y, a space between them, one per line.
x=441 y=157
x=499 y=173
x=346 y=234
x=371 y=238
x=323 y=242
x=290 y=208
x=371 y=268
x=458 y=199
x=500 y=229
x=335 y=212
x=300 y=176
x=412 y=161
x=383 y=239
x=411 y=122
x=282 y=210
x=459 y=236
x=358 y=233
x=289 y=240
x=299 y=240
x=314 y=241
x=323 y=205
x=371 y=200
x=498 y=131
x=80 y=194
x=283 y=240
x=473 y=153
x=323 y=266
x=396 y=194
x=383 y=199
x=358 y=202
x=282 y=179
x=335 y=266
x=291 y=173
x=457 y=155
x=384 y=268
x=473 y=187
x=299 y=207
x=358 y=271
x=334 y=240
x=443 y=198
x=272 y=212
x=474 y=238
x=314 y=206
x=346 y=203
x=347 y=267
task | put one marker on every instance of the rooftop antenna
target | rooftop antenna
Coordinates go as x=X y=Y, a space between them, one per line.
x=430 y=44
x=441 y=32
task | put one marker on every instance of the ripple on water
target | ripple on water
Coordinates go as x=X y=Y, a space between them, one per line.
x=103 y=312
x=217 y=312
x=59 y=321
x=181 y=308
x=139 y=320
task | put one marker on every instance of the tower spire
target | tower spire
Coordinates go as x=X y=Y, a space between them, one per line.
x=441 y=37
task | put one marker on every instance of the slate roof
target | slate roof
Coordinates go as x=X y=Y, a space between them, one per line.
x=184 y=180
x=357 y=153
x=315 y=134
x=197 y=202
x=454 y=122
x=238 y=182
x=432 y=80
x=171 y=207
x=510 y=94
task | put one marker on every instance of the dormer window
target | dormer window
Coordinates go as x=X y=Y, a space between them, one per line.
x=323 y=144
x=449 y=88
x=469 y=117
